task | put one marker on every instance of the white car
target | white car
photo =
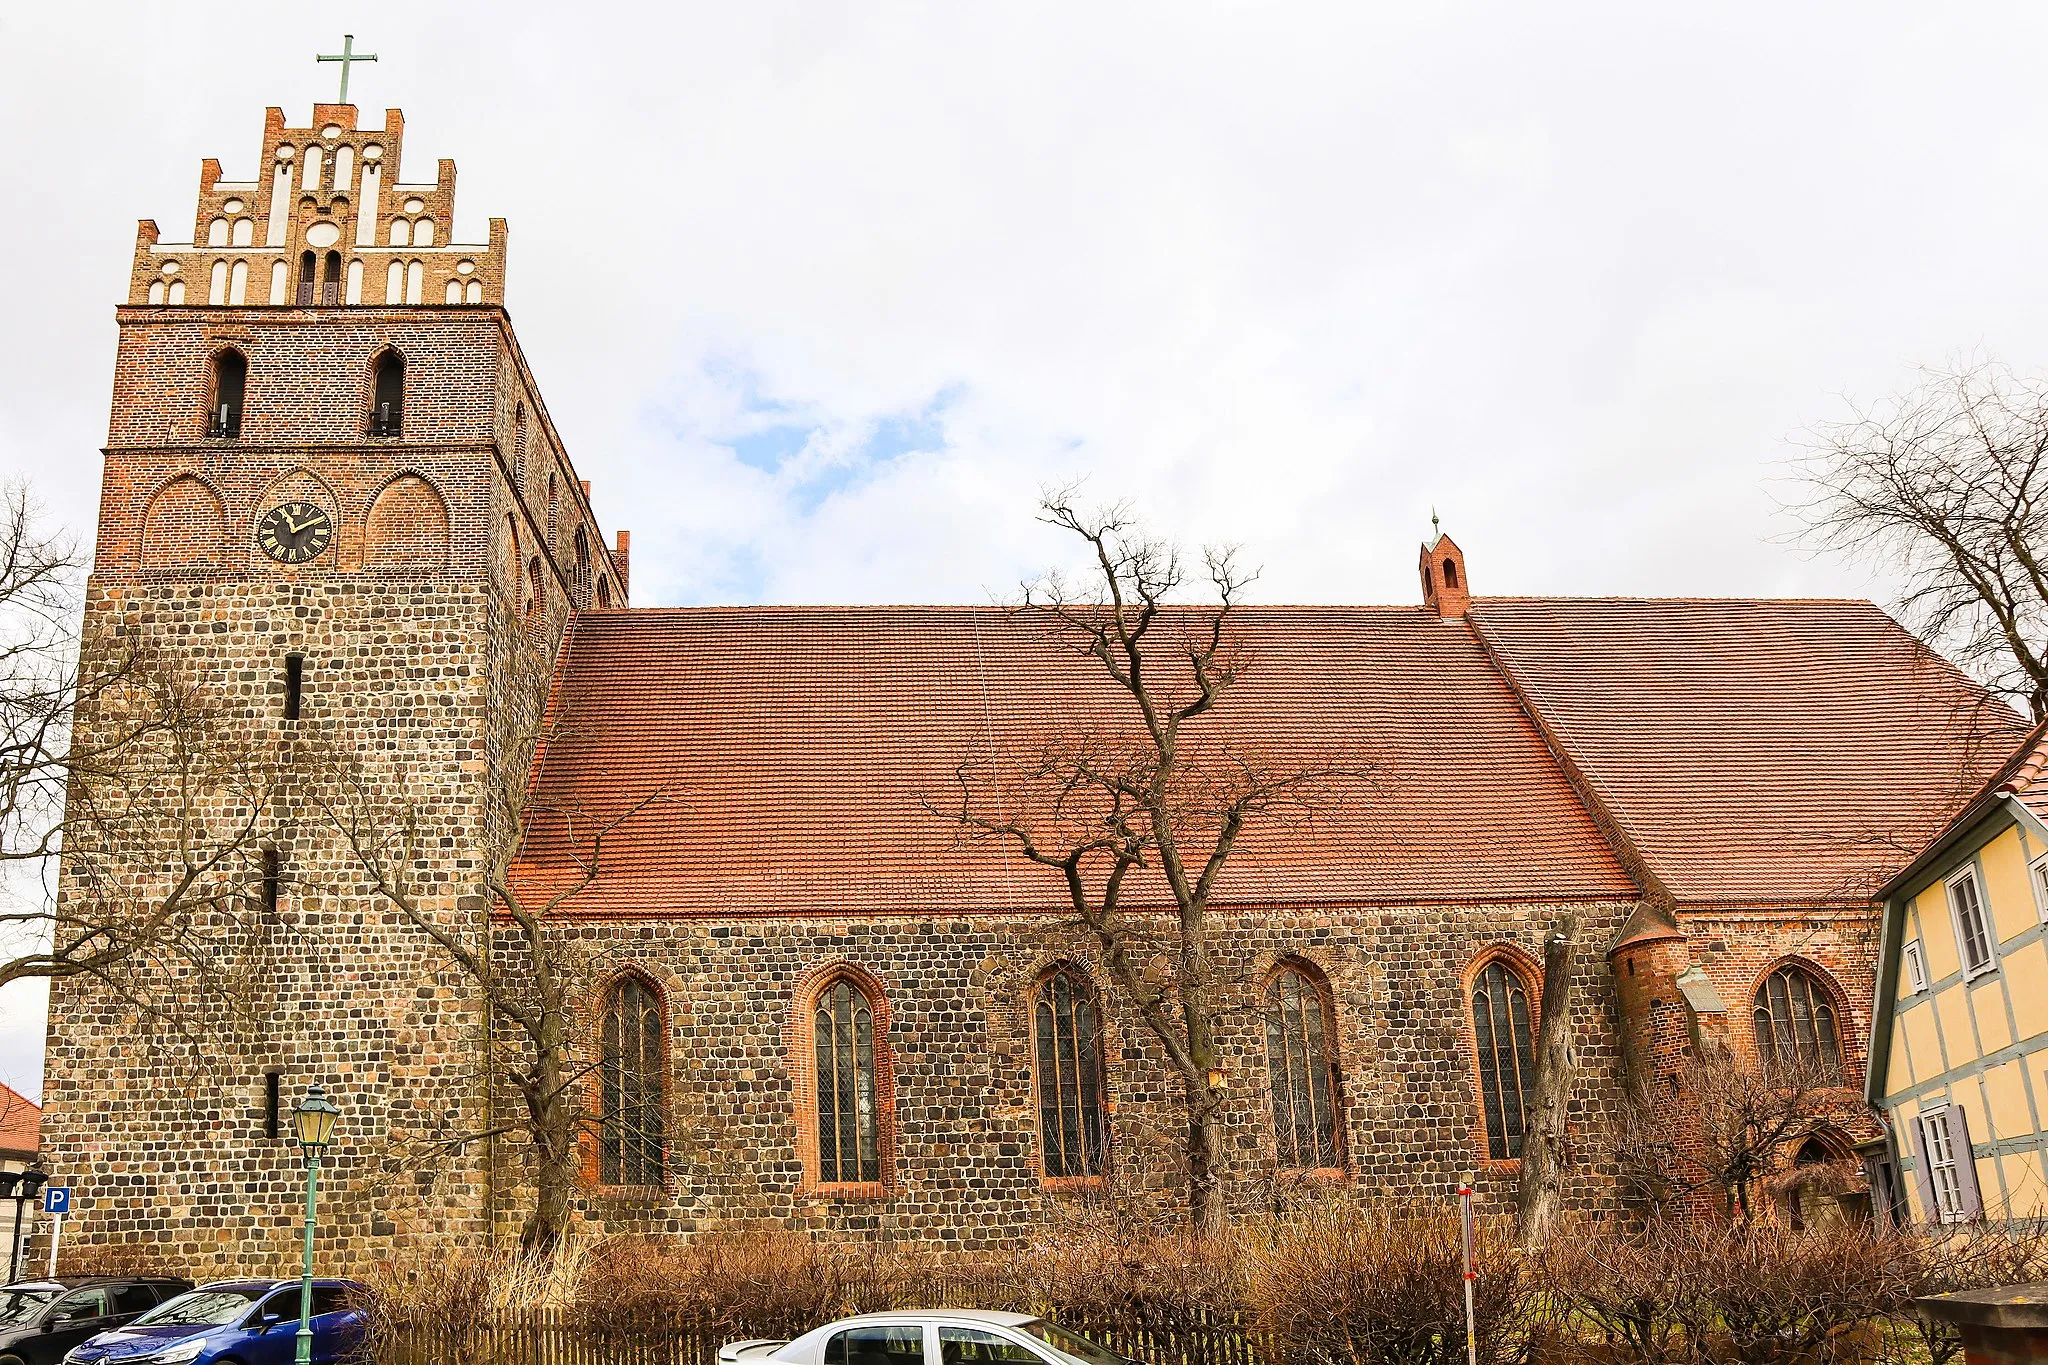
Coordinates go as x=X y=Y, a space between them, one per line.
x=962 y=1336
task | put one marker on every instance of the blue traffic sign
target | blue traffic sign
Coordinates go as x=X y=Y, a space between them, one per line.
x=56 y=1199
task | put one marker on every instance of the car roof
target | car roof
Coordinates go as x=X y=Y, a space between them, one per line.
x=80 y=1281
x=267 y=1285
x=981 y=1315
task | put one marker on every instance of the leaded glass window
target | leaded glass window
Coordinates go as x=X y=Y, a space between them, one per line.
x=849 y=1139
x=630 y=1145
x=1507 y=1056
x=1795 y=1024
x=1298 y=1064
x=1072 y=1128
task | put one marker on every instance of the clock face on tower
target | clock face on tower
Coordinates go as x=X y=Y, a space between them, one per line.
x=294 y=532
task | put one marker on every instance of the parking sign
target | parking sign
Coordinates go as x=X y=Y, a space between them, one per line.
x=56 y=1199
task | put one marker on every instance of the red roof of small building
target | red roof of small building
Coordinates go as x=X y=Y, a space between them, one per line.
x=1738 y=750
x=21 y=1123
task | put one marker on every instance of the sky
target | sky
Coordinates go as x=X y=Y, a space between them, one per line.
x=820 y=295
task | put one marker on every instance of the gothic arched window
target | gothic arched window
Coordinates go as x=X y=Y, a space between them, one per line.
x=630 y=1146
x=1304 y=1078
x=1507 y=1056
x=387 y=399
x=309 y=279
x=849 y=1112
x=230 y=385
x=330 y=280
x=1073 y=1124
x=582 y=568
x=1795 y=1024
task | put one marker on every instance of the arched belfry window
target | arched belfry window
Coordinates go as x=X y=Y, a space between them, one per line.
x=387 y=400
x=230 y=385
x=849 y=1112
x=309 y=278
x=1300 y=1066
x=330 y=280
x=1795 y=1024
x=1073 y=1123
x=1506 y=1049
x=630 y=1138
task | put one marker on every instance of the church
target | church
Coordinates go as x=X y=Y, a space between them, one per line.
x=334 y=495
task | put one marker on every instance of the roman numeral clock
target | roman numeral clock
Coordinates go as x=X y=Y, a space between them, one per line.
x=294 y=532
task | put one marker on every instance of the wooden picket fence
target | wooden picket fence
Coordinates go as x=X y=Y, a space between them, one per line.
x=547 y=1338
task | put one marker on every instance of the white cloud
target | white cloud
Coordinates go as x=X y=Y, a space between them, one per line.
x=1287 y=274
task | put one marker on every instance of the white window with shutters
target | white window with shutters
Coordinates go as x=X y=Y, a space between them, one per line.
x=1943 y=1180
x=1916 y=968
x=1972 y=925
x=2037 y=873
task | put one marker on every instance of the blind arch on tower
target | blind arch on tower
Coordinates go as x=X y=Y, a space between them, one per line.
x=632 y=1084
x=184 y=524
x=1500 y=996
x=1301 y=1069
x=407 y=528
x=1073 y=1111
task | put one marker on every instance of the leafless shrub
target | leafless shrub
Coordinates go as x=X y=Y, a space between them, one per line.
x=759 y=1284
x=1336 y=1286
x=1978 y=1256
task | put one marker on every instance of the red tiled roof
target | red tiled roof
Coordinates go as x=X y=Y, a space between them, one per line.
x=21 y=1122
x=1753 y=751
x=1741 y=751
x=795 y=746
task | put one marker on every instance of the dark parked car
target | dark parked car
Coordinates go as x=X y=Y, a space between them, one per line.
x=42 y=1319
x=253 y=1322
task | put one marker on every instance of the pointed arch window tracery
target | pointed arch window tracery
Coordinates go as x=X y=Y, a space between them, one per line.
x=632 y=1078
x=1301 y=1069
x=1506 y=1056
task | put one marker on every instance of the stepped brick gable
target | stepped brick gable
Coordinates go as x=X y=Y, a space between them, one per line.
x=829 y=1011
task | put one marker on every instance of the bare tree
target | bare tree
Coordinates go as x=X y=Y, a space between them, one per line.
x=146 y=784
x=1746 y=1124
x=1540 y=1196
x=1947 y=486
x=1150 y=795
x=532 y=980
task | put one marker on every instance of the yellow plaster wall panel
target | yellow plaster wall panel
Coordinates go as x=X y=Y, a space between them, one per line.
x=1987 y=1001
x=1958 y=1043
x=1918 y=1027
x=1937 y=939
x=2025 y=1189
x=2006 y=1095
x=2026 y=978
x=2005 y=882
x=1987 y=1182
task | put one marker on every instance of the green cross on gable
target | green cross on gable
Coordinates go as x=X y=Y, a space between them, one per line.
x=346 y=56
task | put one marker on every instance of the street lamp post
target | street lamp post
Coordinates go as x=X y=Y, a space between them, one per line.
x=20 y=1186
x=313 y=1123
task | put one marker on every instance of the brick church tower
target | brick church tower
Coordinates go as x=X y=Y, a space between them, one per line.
x=332 y=494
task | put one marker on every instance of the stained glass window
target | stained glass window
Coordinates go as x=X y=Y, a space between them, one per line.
x=631 y=1147
x=1507 y=1057
x=1298 y=1064
x=1072 y=1128
x=1795 y=1024
x=849 y=1139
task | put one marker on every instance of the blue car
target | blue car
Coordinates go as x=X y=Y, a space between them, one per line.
x=233 y=1322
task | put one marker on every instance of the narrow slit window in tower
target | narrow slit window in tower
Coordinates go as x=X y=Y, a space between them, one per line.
x=230 y=383
x=387 y=402
x=294 y=684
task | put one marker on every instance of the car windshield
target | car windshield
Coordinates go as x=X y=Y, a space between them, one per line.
x=21 y=1305
x=1068 y=1344
x=202 y=1308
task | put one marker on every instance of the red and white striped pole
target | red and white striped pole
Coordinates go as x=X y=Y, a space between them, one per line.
x=1471 y=1271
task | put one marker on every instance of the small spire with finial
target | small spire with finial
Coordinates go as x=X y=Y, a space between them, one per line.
x=1436 y=530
